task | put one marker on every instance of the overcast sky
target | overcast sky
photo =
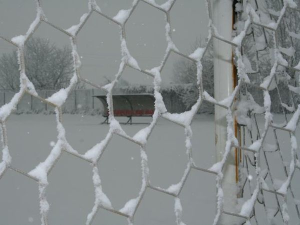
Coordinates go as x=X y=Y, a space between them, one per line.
x=99 y=40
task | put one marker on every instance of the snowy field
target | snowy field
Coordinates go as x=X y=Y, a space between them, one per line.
x=71 y=192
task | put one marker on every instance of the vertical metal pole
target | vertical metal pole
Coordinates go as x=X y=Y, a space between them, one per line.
x=224 y=83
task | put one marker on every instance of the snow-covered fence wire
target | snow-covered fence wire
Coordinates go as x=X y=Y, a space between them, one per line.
x=253 y=22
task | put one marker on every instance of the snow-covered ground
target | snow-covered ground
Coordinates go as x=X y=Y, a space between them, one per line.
x=71 y=192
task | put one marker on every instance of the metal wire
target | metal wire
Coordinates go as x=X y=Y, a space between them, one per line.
x=251 y=156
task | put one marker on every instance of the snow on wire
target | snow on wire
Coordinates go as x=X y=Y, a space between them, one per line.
x=236 y=109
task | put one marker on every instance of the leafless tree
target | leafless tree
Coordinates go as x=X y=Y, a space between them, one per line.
x=185 y=73
x=47 y=66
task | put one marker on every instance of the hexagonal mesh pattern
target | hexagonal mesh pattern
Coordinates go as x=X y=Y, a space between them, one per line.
x=256 y=26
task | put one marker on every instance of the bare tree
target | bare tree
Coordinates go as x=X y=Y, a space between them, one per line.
x=121 y=82
x=185 y=74
x=185 y=71
x=47 y=66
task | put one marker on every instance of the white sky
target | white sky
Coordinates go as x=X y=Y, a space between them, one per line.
x=98 y=41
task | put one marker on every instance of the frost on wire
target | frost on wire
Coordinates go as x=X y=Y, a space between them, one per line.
x=238 y=104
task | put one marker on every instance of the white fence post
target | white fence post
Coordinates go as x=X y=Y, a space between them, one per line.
x=222 y=12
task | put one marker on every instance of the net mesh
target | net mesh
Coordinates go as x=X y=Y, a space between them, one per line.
x=264 y=39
